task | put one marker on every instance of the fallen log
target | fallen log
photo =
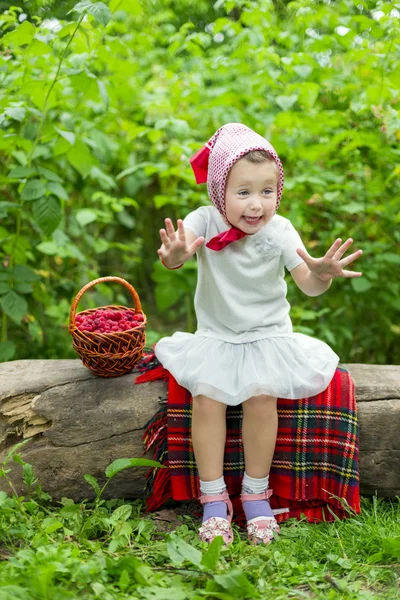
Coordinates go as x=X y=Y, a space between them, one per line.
x=80 y=423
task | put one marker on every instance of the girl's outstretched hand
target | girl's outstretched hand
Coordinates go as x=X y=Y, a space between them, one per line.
x=176 y=248
x=331 y=265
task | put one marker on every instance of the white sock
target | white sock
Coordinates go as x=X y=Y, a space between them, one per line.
x=251 y=485
x=212 y=488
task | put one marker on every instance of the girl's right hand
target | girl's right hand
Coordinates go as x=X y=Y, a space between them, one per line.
x=176 y=248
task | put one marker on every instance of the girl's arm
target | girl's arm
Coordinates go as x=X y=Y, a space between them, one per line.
x=315 y=275
x=177 y=246
x=308 y=283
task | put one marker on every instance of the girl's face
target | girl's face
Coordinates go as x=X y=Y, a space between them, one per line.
x=251 y=194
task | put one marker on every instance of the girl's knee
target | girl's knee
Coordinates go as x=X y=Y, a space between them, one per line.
x=262 y=404
x=205 y=404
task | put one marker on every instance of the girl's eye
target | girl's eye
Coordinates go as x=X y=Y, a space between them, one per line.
x=269 y=191
x=243 y=192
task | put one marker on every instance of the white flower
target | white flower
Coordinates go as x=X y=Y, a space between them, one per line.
x=267 y=242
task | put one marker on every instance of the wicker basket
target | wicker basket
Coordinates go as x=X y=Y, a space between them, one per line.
x=108 y=354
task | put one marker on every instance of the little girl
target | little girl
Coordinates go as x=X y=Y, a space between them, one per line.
x=244 y=350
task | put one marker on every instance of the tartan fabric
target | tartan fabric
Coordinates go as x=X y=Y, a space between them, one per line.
x=314 y=470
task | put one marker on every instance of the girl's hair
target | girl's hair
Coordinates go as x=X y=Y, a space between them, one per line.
x=258 y=156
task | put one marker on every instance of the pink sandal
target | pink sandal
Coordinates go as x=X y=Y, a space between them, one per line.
x=215 y=526
x=260 y=530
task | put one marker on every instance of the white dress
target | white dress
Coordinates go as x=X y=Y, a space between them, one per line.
x=244 y=344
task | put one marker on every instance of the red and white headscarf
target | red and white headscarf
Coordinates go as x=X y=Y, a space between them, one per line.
x=215 y=159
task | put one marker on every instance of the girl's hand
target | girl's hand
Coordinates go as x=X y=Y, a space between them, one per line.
x=331 y=265
x=176 y=249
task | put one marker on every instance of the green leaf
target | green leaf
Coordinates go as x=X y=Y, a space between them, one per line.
x=49 y=248
x=22 y=35
x=132 y=169
x=98 y=10
x=33 y=189
x=20 y=156
x=126 y=463
x=67 y=135
x=58 y=190
x=85 y=216
x=391 y=547
x=15 y=112
x=236 y=583
x=126 y=219
x=180 y=551
x=15 y=449
x=103 y=92
x=18 y=459
x=132 y=7
x=23 y=288
x=303 y=70
x=353 y=208
x=389 y=257
x=122 y=513
x=286 y=102
x=124 y=580
x=49 y=175
x=81 y=7
x=211 y=556
x=39 y=48
x=162 y=200
x=80 y=157
x=4 y=288
x=7 y=351
x=308 y=94
x=93 y=482
x=361 y=284
x=28 y=475
x=14 y=305
x=167 y=296
x=47 y=213
x=21 y=172
x=53 y=527
x=24 y=274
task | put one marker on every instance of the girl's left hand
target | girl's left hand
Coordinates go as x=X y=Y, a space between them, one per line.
x=331 y=265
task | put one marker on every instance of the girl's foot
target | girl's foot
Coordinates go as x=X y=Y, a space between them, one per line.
x=217 y=518
x=261 y=523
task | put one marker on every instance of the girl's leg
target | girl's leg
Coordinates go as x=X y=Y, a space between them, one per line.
x=260 y=426
x=208 y=437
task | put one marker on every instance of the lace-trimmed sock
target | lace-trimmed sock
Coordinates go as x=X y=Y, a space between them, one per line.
x=214 y=509
x=256 y=508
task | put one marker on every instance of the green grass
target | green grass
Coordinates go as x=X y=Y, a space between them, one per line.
x=114 y=550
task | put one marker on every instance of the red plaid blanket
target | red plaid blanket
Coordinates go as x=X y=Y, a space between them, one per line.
x=314 y=471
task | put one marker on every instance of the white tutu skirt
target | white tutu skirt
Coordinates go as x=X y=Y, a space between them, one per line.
x=293 y=367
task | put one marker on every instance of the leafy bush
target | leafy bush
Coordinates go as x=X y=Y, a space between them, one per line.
x=112 y=550
x=99 y=115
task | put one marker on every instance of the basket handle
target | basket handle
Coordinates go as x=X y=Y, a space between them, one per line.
x=130 y=288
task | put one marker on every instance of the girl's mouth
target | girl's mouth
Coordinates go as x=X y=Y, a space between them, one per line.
x=252 y=220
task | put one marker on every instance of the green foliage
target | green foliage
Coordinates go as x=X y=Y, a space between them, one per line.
x=113 y=550
x=100 y=113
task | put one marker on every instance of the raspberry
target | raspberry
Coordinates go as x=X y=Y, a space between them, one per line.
x=109 y=320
